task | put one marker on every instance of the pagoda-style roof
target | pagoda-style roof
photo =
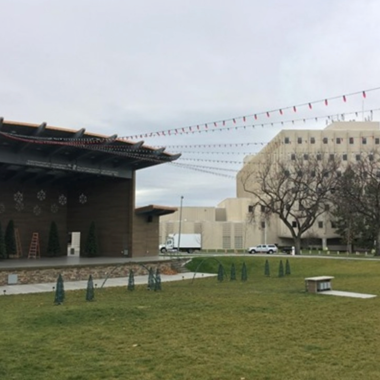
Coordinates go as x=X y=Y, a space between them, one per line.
x=44 y=153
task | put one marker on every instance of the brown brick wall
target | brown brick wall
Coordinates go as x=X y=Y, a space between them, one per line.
x=33 y=214
x=145 y=236
x=109 y=205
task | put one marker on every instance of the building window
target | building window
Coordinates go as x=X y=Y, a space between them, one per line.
x=370 y=157
x=377 y=141
x=263 y=225
x=312 y=140
x=312 y=173
x=338 y=173
x=305 y=157
x=364 y=140
x=320 y=224
x=239 y=242
x=294 y=224
x=250 y=208
x=287 y=173
x=325 y=140
x=333 y=225
x=351 y=140
x=299 y=140
x=327 y=207
x=331 y=157
x=299 y=173
x=344 y=157
x=226 y=242
x=262 y=208
x=325 y=173
x=338 y=140
x=287 y=140
x=319 y=157
x=357 y=157
x=292 y=156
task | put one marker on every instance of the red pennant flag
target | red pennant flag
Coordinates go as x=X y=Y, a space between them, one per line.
x=310 y=106
x=234 y=121
x=190 y=128
x=183 y=129
x=344 y=98
x=281 y=113
x=206 y=126
x=255 y=117
x=294 y=109
x=326 y=102
x=197 y=126
x=268 y=114
x=364 y=95
x=244 y=119
x=215 y=125
x=224 y=122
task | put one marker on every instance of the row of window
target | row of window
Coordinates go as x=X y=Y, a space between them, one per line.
x=320 y=224
x=332 y=156
x=338 y=140
x=294 y=224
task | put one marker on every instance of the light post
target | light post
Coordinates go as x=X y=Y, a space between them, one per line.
x=180 y=223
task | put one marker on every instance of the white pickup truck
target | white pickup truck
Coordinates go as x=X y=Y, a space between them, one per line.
x=263 y=248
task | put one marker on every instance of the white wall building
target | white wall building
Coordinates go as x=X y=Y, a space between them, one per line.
x=230 y=226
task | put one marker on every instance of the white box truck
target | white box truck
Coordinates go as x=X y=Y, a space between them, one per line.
x=188 y=243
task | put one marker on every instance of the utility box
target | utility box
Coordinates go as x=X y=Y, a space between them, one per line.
x=12 y=279
x=318 y=284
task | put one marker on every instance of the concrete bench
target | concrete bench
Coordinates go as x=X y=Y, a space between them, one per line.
x=318 y=284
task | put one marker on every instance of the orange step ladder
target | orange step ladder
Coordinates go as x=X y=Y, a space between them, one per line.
x=34 y=249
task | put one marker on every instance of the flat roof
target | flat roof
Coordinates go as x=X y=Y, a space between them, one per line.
x=155 y=210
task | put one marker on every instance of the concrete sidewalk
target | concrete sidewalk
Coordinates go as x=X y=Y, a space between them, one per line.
x=110 y=282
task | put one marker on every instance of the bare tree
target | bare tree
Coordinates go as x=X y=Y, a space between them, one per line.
x=297 y=191
x=359 y=195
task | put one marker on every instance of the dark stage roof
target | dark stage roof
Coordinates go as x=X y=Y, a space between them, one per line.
x=42 y=153
x=155 y=210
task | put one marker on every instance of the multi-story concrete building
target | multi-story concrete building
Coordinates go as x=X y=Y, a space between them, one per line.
x=231 y=226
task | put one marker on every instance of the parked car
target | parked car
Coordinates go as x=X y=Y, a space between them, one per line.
x=263 y=248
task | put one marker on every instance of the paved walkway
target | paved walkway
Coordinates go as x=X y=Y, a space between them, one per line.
x=110 y=282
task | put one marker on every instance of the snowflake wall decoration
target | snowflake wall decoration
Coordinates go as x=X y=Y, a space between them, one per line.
x=19 y=206
x=41 y=195
x=18 y=197
x=62 y=200
x=54 y=208
x=37 y=210
x=82 y=198
x=2 y=208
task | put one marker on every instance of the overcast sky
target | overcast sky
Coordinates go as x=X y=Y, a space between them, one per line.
x=136 y=67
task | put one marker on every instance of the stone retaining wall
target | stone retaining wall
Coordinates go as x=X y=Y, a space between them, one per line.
x=78 y=273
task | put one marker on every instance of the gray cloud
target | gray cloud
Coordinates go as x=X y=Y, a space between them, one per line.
x=136 y=67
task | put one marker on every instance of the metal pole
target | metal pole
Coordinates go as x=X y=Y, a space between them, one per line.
x=180 y=222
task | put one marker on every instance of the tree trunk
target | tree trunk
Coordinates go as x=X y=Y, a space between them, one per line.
x=297 y=246
x=377 y=250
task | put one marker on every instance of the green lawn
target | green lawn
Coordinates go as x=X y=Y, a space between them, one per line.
x=265 y=328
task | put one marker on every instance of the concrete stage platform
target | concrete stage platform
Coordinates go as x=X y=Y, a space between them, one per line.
x=66 y=261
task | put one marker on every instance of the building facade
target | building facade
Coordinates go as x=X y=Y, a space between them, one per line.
x=232 y=224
